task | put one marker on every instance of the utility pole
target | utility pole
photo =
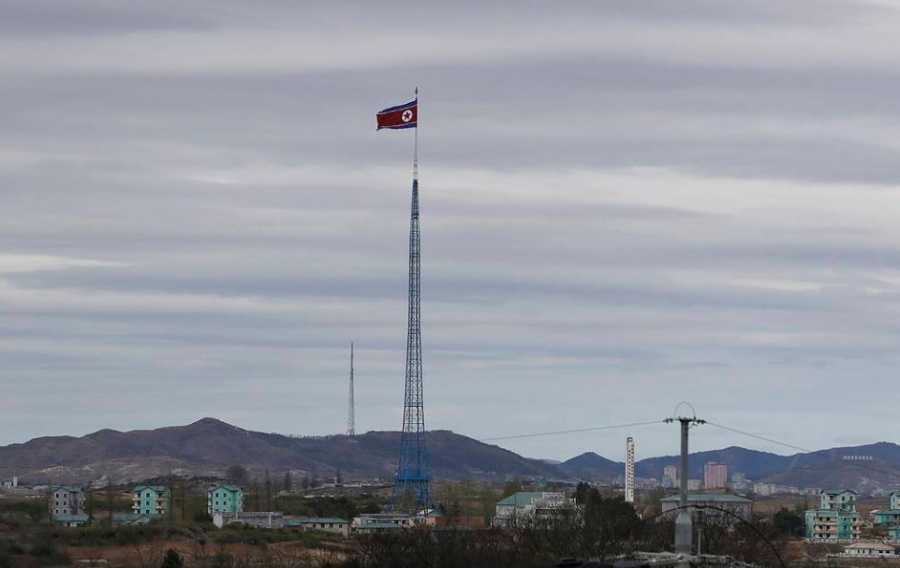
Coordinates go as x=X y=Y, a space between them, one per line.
x=683 y=525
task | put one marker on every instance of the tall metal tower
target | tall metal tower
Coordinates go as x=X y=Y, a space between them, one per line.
x=412 y=486
x=351 y=409
x=629 y=470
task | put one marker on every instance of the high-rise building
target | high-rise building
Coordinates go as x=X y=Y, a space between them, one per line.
x=715 y=475
x=670 y=476
x=629 y=470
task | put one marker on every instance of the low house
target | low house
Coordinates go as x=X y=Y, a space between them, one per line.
x=871 y=550
x=224 y=499
x=894 y=533
x=67 y=505
x=381 y=522
x=836 y=519
x=528 y=506
x=891 y=515
x=131 y=519
x=151 y=500
x=721 y=506
x=262 y=520
x=64 y=520
x=324 y=524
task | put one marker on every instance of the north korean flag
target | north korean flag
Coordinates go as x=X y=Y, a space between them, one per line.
x=403 y=116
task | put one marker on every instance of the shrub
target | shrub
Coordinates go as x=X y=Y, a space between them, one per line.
x=172 y=560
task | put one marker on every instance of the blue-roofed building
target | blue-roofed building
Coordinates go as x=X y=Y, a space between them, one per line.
x=836 y=519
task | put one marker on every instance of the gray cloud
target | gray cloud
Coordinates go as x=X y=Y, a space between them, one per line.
x=624 y=205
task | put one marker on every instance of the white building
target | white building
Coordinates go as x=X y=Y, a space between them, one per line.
x=526 y=506
x=870 y=550
x=323 y=524
x=263 y=520
x=670 y=476
x=67 y=505
x=381 y=522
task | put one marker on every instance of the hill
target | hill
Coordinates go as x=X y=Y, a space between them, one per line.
x=750 y=462
x=592 y=467
x=861 y=476
x=209 y=446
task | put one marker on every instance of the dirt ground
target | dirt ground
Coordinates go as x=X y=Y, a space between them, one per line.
x=146 y=555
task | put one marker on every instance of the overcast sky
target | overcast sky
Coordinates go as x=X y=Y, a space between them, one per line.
x=624 y=205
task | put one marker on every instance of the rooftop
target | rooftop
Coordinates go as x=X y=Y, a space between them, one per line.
x=70 y=518
x=69 y=488
x=708 y=498
x=156 y=488
x=837 y=491
x=314 y=520
x=523 y=498
x=870 y=546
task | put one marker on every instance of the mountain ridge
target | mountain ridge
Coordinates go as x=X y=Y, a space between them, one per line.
x=207 y=447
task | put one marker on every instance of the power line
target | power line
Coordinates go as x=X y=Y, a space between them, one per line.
x=575 y=431
x=890 y=471
x=763 y=438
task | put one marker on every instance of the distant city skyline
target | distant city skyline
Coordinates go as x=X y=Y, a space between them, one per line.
x=624 y=205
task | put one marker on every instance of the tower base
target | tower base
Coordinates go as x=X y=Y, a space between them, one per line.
x=684 y=532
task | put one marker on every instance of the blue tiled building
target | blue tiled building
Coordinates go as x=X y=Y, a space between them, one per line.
x=836 y=519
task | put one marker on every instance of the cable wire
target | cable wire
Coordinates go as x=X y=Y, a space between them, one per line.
x=558 y=432
x=763 y=438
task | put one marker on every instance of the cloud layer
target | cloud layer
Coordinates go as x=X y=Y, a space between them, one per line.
x=625 y=205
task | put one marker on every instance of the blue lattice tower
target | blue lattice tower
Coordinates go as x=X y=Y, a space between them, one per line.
x=412 y=486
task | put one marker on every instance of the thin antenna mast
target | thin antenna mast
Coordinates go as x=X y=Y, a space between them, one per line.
x=351 y=409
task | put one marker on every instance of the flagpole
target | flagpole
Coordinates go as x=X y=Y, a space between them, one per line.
x=416 y=147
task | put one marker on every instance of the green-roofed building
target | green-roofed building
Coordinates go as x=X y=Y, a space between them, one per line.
x=836 y=519
x=529 y=506
x=894 y=533
x=325 y=524
x=150 y=500
x=891 y=515
x=381 y=522
x=224 y=499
